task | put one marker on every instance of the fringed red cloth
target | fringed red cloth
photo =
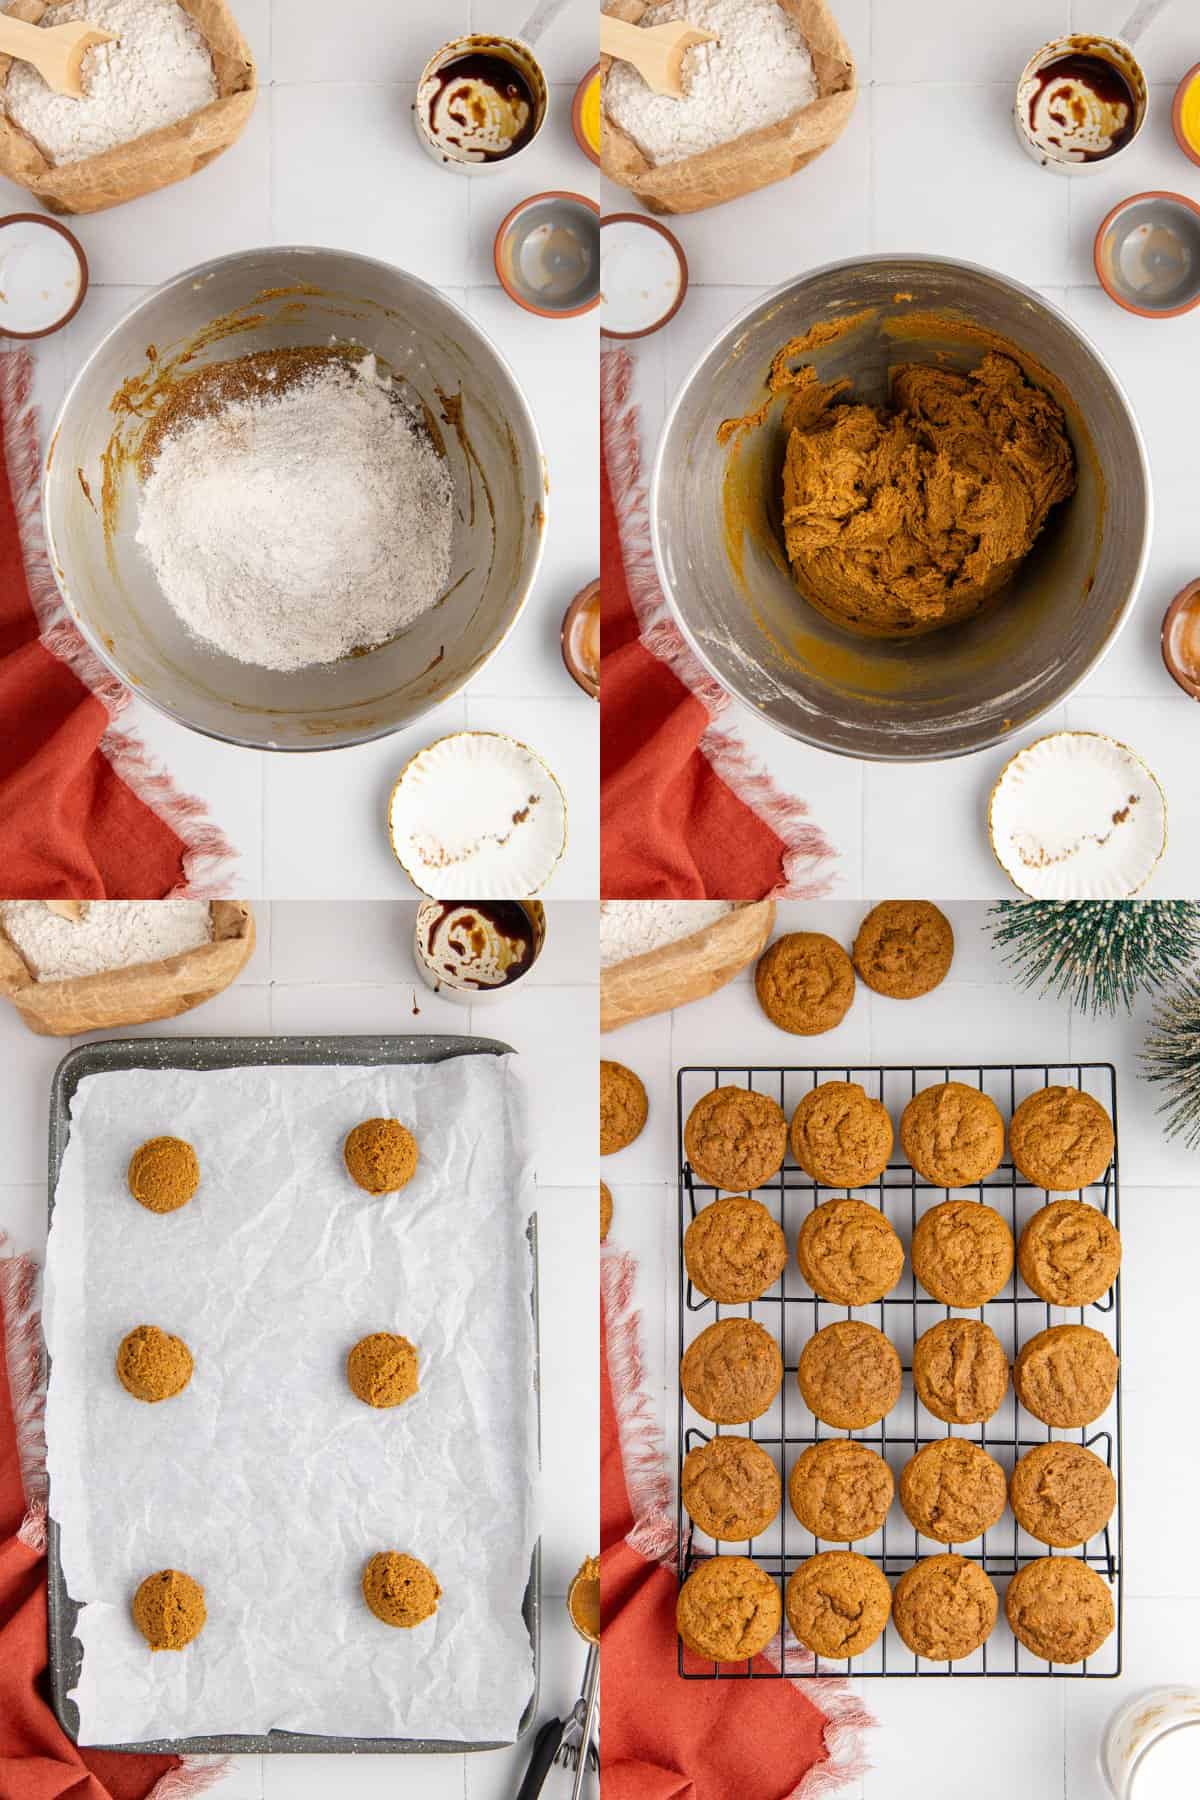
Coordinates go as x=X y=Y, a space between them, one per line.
x=84 y=812
x=37 y=1760
x=684 y=813
x=663 y=1738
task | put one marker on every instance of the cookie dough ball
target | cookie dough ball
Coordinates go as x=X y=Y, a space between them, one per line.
x=399 y=1589
x=944 y=1608
x=732 y=1371
x=623 y=1107
x=1062 y=1494
x=164 y=1173
x=962 y=1252
x=606 y=1211
x=841 y=1490
x=952 y=1134
x=1060 y=1609
x=731 y=1488
x=960 y=1371
x=734 y=1250
x=849 y=1375
x=168 y=1609
x=953 y=1491
x=805 y=983
x=728 y=1610
x=152 y=1365
x=1069 y=1253
x=381 y=1155
x=838 y=1603
x=904 y=948
x=1061 y=1139
x=840 y=1135
x=735 y=1139
x=382 y=1369
x=849 y=1253
x=1066 y=1375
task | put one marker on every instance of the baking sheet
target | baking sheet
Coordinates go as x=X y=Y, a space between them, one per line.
x=298 y=1264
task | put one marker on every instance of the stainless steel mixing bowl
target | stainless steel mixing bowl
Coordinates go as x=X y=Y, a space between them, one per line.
x=268 y=299
x=715 y=519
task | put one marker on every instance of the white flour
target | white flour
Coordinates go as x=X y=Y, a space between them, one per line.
x=290 y=529
x=110 y=934
x=159 y=71
x=759 y=72
x=632 y=927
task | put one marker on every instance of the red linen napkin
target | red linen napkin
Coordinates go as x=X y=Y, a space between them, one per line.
x=37 y=1760
x=684 y=813
x=663 y=1738
x=84 y=813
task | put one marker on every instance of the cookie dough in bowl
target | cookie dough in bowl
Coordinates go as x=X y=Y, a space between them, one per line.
x=1022 y=580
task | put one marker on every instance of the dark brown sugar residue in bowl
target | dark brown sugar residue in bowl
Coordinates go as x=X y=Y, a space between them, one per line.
x=1101 y=78
x=480 y=68
x=470 y=931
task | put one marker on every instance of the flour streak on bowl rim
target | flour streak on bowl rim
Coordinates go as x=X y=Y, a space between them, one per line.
x=728 y=335
x=196 y=276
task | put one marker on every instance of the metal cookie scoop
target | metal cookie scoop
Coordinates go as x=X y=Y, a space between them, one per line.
x=656 y=51
x=567 y=1743
x=56 y=51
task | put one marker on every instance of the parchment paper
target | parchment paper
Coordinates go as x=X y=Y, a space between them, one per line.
x=266 y=1479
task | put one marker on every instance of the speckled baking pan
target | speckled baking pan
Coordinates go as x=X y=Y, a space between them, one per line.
x=66 y=1652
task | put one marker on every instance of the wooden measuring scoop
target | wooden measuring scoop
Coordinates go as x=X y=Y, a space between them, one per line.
x=656 y=51
x=56 y=51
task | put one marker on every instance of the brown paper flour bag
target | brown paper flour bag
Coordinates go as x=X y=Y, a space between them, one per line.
x=756 y=159
x=689 y=969
x=152 y=990
x=149 y=162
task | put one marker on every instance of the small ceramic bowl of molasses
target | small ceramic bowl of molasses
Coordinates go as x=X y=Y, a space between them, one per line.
x=481 y=102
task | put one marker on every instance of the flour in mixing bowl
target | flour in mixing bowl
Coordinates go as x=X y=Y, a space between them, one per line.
x=289 y=525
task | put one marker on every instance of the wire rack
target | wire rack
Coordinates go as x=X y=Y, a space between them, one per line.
x=792 y=1313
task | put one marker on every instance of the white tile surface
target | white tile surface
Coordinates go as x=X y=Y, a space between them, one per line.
x=933 y=43
x=347 y=967
x=1034 y=1738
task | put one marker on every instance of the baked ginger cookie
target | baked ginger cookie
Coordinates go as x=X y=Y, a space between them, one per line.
x=606 y=1211
x=164 y=1173
x=153 y=1365
x=960 y=1371
x=728 y=1609
x=168 y=1609
x=944 y=1607
x=399 y=1589
x=849 y=1375
x=962 y=1252
x=623 y=1107
x=732 y=1371
x=1066 y=1375
x=1062 y=1494
x=840 y=1490
x=953 y=1490
x=840 y=1135
x=731 y=1488
x=734 y=1250
x=849 y=1253
x=382 y=1369
x=952 y=1134
x=904 y=948
x=838 y=1603
x=1061 y=1139
x=380 y=1155
x=805 y=983
x=735 y=1139
x=1060 y=1609
x=1069 y=1253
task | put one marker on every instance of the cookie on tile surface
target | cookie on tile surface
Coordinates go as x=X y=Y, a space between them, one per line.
x=623 y=1107
x=904 y=948
x=805 y=983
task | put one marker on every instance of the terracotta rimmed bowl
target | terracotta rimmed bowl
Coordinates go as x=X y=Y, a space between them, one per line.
x=554 y=234
x=715 y=518
x=1147 y=254
x=674 y=280
x=1190 y=150
x=1183 y=610
x=74 y=291
x=581 y=136
x=587 y=598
